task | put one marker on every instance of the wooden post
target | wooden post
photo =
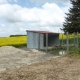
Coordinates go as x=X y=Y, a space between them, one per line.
x=62 y=43
x=46 y=42
x=74 y=41
x=77 y=40
x=67 y=43
x=39 y=42
x=62 y=40
x=27 y=39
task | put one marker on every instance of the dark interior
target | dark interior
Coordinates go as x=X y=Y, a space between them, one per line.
x=51 y=39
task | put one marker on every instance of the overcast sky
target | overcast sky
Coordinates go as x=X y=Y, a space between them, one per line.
x=17 y=16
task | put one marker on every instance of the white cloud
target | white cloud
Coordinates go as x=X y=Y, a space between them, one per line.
x=66 y=7
x=3 y=30
x=48 y=17
x=9 y=12
x=48 y=14
x=51 y=1
x=12 y=29
x=3 y=1
x=3 y=25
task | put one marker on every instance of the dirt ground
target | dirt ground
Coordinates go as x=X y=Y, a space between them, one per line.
x=11 y=57
x=60 y=68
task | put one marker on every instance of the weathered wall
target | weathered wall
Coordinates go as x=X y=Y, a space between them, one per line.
x=35 y=40
x=29 y=39
x=38 y=41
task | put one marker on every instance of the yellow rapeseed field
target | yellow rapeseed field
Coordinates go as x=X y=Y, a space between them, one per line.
x=22 y=40
x=60 y=36
x=13 y=41
x=69 y=36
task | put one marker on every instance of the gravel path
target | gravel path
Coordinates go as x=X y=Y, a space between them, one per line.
x=11 y=57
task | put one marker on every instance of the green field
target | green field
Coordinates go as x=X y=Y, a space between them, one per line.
x=14 y=41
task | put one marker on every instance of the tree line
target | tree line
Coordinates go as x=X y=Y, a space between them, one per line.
x=16 y=35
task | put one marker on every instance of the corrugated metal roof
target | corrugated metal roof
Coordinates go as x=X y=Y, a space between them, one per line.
x=43 y=32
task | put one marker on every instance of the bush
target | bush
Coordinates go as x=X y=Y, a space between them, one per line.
x=75 y=52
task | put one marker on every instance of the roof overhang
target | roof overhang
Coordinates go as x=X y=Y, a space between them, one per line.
x=42 y=32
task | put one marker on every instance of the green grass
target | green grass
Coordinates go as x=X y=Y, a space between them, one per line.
x=14 y=41
x=74 y=52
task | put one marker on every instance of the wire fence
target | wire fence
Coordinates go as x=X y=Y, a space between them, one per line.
x=70 y=42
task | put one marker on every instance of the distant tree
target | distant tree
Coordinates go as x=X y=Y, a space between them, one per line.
x=17 y=35
x=72 y=21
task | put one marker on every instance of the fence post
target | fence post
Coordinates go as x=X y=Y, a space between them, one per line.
x=67 y=43
x=74 y=41
x=77 y=40
x=46 y=42
x=39 y=42
x=62 y=39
